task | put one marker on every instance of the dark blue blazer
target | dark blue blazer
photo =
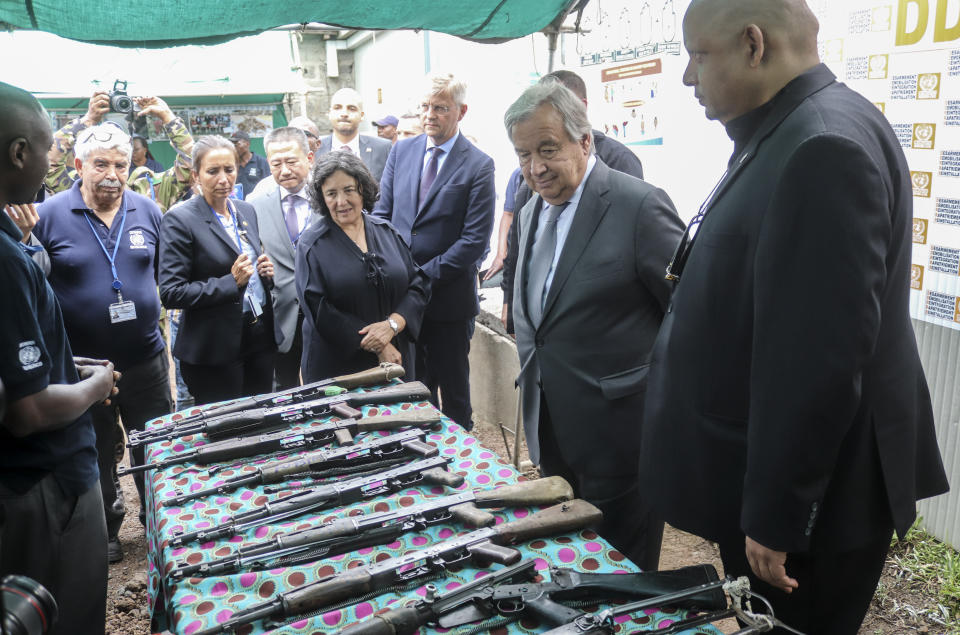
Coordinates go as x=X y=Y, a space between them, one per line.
x=449 y=231
x=196 y=255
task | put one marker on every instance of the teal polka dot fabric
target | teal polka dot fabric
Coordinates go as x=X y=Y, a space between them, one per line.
x=192 y=604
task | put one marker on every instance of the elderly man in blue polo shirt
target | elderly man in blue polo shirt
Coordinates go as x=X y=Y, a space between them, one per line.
x=103 y=241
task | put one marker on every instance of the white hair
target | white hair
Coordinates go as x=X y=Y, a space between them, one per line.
x=105 y=136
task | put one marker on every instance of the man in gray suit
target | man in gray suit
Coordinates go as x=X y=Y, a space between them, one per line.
x=346 y=113
x=588 y=301
x=283 y=212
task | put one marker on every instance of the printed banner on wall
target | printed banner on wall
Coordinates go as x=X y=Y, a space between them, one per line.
x=904 y=56
x=624 y=46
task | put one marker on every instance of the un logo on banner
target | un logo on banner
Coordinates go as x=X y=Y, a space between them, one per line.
x=928 y=86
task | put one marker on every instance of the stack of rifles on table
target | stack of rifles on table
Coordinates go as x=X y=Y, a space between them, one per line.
x=377 y=465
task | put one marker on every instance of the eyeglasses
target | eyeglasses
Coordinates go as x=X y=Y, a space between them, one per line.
x=440 y=109
x=682 y=253
x=103 y=135
x=310 y=134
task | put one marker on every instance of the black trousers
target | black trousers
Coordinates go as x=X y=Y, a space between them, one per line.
x=59 y=540
x=252 y=374
x=288 y=364
x=835 y=589
x=144 y=395
x=443 y=364
x=629 y=523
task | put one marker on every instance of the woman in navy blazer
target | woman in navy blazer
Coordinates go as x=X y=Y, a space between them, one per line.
x=211 y=266
x=361 y=293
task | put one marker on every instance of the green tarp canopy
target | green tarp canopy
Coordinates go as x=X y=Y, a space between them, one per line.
x=165 y=23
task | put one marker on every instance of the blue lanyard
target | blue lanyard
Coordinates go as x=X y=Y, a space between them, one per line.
x=117 y=285
x=233 y=216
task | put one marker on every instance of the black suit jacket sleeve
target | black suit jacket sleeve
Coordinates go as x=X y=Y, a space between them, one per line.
x=823 y=246
x=660 y=220
x=617 y=156
x=383 y=208
x=178 y=288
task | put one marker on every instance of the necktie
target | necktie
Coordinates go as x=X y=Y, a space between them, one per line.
x=290 y=217
x=540 y=261
x=347 y=149
x=429 y=174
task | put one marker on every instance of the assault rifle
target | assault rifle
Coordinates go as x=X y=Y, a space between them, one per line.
x=483 y=544
x=258 y=420
x=349 y=534
x=285 y=441
x=488 y=596
x=432 y=470
x=319 y=463
x=601 y=622
x=325 y=387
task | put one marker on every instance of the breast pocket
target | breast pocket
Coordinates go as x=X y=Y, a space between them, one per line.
x=607 y=268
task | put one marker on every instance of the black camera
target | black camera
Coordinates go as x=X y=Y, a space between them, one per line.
x=119 y=99
x=26 y=608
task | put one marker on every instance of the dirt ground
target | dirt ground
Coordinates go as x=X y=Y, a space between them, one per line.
x=897 y=608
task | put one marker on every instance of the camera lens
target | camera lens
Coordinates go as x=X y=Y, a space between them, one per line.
x=121 y=103
x=28 y=608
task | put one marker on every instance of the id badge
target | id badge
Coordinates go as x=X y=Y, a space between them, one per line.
x=122 y=312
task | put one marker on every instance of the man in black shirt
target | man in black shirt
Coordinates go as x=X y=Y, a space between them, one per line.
x=51 y=520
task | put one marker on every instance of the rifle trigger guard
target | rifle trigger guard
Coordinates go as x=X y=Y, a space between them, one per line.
x=511 y=606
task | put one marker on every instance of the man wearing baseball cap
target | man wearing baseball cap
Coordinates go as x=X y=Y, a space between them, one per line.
x=251 y=168
x=387 y=128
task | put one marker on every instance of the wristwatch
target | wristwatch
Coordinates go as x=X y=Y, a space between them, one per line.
x=393 y=324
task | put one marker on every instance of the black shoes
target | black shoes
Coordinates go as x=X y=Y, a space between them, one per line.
x=114 y=550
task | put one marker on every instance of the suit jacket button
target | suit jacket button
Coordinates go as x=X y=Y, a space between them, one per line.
x=807 y=531
x=813 y=515
x=539 y=343
x=810 y=523
x=815 y=506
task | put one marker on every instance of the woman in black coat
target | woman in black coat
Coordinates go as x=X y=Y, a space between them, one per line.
x=361 y=294
x=211 y=266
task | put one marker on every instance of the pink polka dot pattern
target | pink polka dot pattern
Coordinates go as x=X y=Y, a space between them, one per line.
x=195 y=603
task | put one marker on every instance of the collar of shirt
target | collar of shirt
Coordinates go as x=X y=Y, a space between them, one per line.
x=77 y=203
x=565 y=220
x=7 y=226
x=446 y=146
x=353 y=144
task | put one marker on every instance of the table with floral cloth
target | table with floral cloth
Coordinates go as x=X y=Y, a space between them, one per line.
x=192 y=604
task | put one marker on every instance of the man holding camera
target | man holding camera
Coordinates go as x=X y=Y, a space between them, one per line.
x=51 y=523
x=164 y=188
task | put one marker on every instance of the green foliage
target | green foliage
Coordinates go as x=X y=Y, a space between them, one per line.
x=931 y=568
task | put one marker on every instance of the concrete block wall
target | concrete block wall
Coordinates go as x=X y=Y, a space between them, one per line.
x=494 y=367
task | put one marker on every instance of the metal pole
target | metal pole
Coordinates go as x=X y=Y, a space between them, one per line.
x=552 y=37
